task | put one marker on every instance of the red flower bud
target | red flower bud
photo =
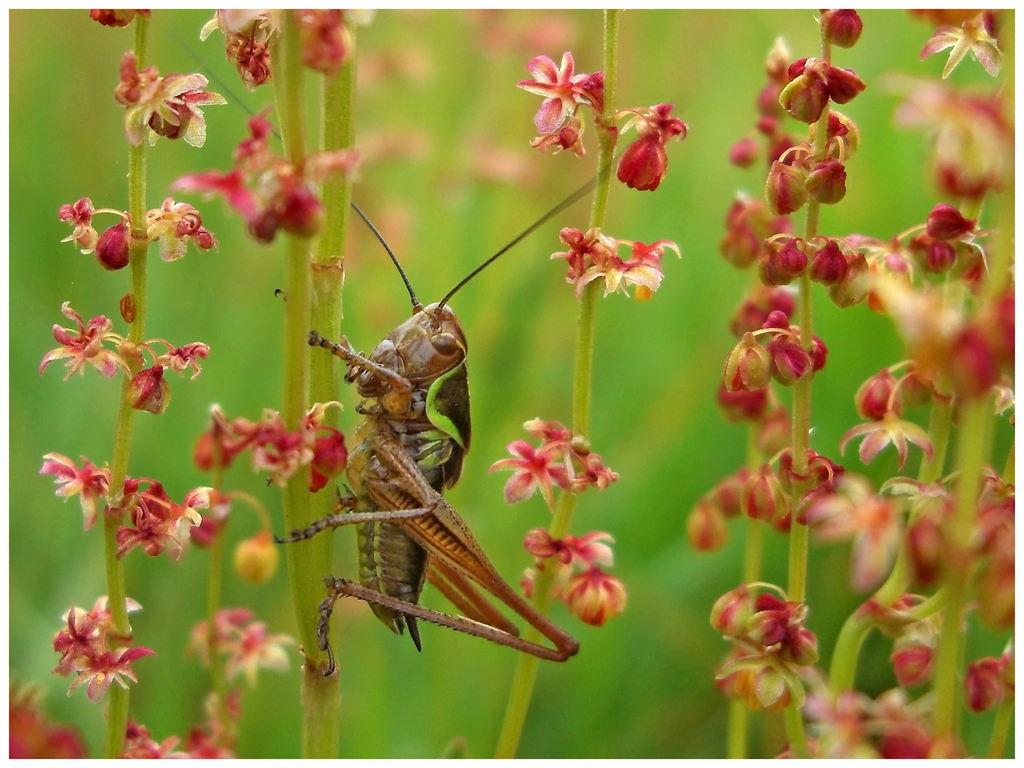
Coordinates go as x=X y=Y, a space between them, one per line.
x=730 y=613
x=742 y=405
x=841 y=27
x=829 y=266
x=727 y=494
x=763 y=497
x=112 y=247
x=843 y=84
x=826 y=183
x=874 y=398
x=971 y=364
x=594 y=596
x=912 y=661
x=784 y=189
x=806 y=96
x=748 y=366
x=940 y=257
x=790 y=361
x=781 y=263
x=644 y=163
x=983 y=684
x=743 y=153
x=853 y=289
x=301 y=213
x=150 y=391
x=945 y=222
x=705 y=527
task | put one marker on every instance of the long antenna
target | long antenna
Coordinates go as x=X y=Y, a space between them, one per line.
x=416 y=306
x=574 y=197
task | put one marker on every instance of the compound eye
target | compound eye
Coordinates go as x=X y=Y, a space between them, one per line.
x=445 y=344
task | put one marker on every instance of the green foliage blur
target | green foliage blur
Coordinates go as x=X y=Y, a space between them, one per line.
x=448 y=177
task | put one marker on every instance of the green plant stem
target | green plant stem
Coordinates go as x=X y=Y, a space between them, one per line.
x=337 y=130
x=543 y=588
x=308 y=561
x=753 y=550
x=799 y=536
x=972 y=455
x=117 y=710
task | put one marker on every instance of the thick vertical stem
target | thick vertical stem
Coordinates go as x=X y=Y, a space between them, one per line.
x=308 y=561
x=117 y=713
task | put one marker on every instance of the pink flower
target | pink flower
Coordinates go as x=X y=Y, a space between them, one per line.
x=166 y=106
x=79 y=216
x=890 y=429
x=534 y=469
x=87 y=346
x=112 y=666
x=90 y=481
x=558 y=87
x=971 y=37
x=871 y=522
x=253 y=649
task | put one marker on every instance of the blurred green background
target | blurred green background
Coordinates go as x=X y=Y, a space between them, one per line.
x=448 y=178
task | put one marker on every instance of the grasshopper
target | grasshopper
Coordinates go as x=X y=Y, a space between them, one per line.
x=411 y=446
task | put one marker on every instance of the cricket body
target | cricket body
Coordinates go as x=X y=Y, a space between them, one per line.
x=411 y=447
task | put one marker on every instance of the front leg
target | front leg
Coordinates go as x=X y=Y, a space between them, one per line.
x=356 y=361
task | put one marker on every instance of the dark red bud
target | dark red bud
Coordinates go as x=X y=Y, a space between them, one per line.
x=841 y=27
x=781 y=266
x=740 y=405
x=644 y=163
x=784 y=189
x=301 y=213
x=843 y=84
x=806 y=96
x=945 y=222
x=940 y=257
x=829 y=266
x=826 y=183
x=112 y=247
x=743 y=153
x=790 y=361
x=874 y=399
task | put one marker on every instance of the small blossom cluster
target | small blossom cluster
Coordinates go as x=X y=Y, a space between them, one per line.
x=162 y=106
x=991 y=545
x=158 y=523
x=267 y=190
x=149 y=391
x=771 y=647
x=275 y=449
x=751 y=365
x=591 y=595
x=560 y=460
x=92 y=649
x=974 y=32
x=207 y=741
x=594 y=256
x=173 y=226
x=324 y=39
x=643 y=164
x=245 y=643
x=850 y=724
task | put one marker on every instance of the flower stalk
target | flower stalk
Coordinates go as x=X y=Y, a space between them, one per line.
x=527 y=667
